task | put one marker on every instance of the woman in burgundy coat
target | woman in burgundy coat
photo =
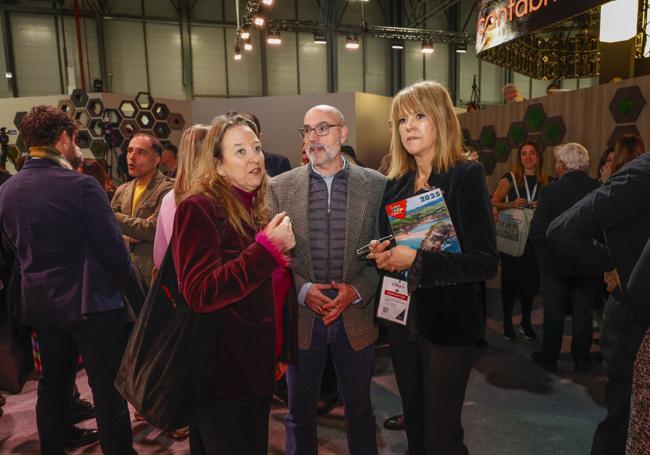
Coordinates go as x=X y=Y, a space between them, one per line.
x=232 y=260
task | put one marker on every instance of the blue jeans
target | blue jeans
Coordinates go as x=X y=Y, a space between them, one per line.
x=354 y=372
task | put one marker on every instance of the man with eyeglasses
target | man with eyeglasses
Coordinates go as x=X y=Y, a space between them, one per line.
x=333 y=205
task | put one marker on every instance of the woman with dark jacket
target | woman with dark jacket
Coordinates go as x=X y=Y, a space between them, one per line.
x=432 y=355
x=230 y=259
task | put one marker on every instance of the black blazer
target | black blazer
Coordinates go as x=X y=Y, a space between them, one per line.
x=555 y=199
x=446 y=304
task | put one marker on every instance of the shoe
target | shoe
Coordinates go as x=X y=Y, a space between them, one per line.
x=544 y=360
x=395 y=423
x=508 y=332
x=81 y=410
x=528 y=332
x=326 y=403
x=482 y=344
x=582 y=366
x=79 y=437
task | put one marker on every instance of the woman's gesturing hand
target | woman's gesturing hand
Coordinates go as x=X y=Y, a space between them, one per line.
x=279 y=232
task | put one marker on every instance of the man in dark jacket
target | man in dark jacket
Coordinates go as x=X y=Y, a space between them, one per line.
x=72 y=263
x=620 y=209
x=565 y=284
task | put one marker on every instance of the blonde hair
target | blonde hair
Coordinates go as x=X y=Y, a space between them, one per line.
x=429 y=98
x=190 y=156
x=208 y=181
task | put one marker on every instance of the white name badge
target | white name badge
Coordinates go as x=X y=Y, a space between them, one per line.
x=394 y=301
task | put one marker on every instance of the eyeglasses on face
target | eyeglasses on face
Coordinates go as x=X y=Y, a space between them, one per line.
x=322 y=129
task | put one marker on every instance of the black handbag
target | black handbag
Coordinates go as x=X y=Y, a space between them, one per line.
x=169 y=362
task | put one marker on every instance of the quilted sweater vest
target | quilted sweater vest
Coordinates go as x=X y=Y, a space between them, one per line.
x=327 y=227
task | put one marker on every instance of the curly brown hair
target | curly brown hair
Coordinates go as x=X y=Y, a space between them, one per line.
x=44 y=124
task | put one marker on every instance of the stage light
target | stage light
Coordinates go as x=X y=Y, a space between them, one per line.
x=248 y=45
x=267 y=2
x=352 y=42
x=461 y=48
x=274 y=38
x=397 y=44
x=427 y=47
x=237 y=53
x=245 y=34
x=320 y=38
x=258 y=21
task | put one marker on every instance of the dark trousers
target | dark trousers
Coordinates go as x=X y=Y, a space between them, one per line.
x=432 y=380
x=519 y=278
x=224 y=427
x=560 y=295
x=354 y=372
x=620 y=338
x=100 y=339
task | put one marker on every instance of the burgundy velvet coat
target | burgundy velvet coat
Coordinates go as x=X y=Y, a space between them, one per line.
x=218 y=270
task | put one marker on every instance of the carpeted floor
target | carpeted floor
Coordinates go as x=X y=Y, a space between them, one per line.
x=512 y=407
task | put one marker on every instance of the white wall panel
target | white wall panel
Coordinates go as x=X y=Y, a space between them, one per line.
x=165 y=61
x=89 y=49
x=282 y=71
x=378 y=66
x=131 y=7
x=539 y=88
x=125 y=59
x=208 y=64
x=492 y=80
x=413 y=62
x=245 y=75
x=350 y=63
x=313 y=65
x=35 y=54
x=468 y=67
x=437 y=64
x=5 y=90
x=522 y=83
x=207 y=10
x=158 y=8
x=284 y=9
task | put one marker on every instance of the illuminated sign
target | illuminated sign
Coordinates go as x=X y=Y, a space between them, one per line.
x=500 y=21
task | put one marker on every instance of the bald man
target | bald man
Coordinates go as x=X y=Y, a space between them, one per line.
x=333 y=205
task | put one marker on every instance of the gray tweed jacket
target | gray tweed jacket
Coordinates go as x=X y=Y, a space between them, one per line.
x=289 y=192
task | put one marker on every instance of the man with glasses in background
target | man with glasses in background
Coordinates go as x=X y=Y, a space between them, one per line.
x=333 y=205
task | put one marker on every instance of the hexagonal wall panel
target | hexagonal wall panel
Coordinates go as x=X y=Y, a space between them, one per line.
x=145 y=120
x=161 y=130
x=488 y=137
x=67 y=107
x=621 y=130
x=501 y=150
x=19 y=118
x=96 y=127
x=553 y=131
x=144 y=100
x=97 y=147
x=79 y=98
x=534 y=118
x=128 y=128
x=176 y=121
x=95 y=107
x=517 y=134
x=81 y=117
x=160 y=111
x=627 y=104
x=83 y=139
x=165 y=142
x=128 y=109
x=112 y=116
x=115 y=136
x=488 y=159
